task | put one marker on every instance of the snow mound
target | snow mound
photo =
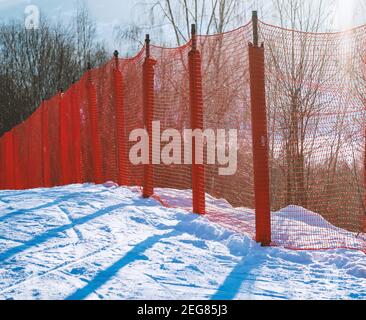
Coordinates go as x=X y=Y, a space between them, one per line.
x=300 y=214
x=292 y=227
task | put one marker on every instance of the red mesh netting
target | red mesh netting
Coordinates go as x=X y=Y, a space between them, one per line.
x=53 y=113
x=103 y=78
x=35 y=179
x=226 y=90
x=21 y=140
x=132 y=78
x=316 y=112
x=171 y=109
x=2 y=164
x=86 y=143
x=66 y=138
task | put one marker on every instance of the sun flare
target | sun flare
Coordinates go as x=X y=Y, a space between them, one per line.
x=345 y=13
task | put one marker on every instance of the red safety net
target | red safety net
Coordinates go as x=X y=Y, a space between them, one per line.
x=315 y=93
x=171 y=108
x=316 y=113
x=132 y=83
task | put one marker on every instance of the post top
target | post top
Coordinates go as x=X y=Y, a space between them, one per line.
x=116 y=54
x=194 y=38
x=255 y=28
x=147 y=42
x=193 y=29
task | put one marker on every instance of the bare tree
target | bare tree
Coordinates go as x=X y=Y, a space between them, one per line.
x=88 y=49
x=297 y=70
x=35 y=64
x=171 y=20
x=316 y=142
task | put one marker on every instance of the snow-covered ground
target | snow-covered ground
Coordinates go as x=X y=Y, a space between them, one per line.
x=93 y=242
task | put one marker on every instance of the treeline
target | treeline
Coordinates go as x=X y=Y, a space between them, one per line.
x=35 y=64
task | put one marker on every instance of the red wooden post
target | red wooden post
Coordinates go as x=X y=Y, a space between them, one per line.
x=63 y=140
x=9 y=160
x=260 y=139
x=148 y=88
x=46 y=155
x=29 y=164
x=94 y=125
x=196 y=105
x=123 y=178
x=34 y=171
x=17 y=177
x=363 y=229
x=2 y=163
x=76 y=136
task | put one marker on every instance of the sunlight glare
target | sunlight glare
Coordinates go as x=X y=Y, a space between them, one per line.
x=345 y=13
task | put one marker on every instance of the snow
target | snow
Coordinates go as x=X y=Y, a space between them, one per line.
x=105 y=242
x=292 y=227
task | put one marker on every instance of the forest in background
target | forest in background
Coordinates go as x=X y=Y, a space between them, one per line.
x=35 y=64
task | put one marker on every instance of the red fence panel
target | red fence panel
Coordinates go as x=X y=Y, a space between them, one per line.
x=35 y=156
x=123 y=167
x=46 y=156
x=21 y=147
x=9 y=160
x=172 y=111
x=133 y=103
x=64 y=113
x=17 y=176
x=94 y=128
x=107 y=131
x=53 y=113
x=315 y=87
x=77 y=170
x=316 y=90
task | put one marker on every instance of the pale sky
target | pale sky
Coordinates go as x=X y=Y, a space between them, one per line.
x=345 y=13
x=109 y=13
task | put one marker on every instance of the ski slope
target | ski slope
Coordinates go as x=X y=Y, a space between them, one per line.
x=97 y=242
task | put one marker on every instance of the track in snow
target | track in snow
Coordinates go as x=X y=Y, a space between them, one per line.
x=91 y=242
